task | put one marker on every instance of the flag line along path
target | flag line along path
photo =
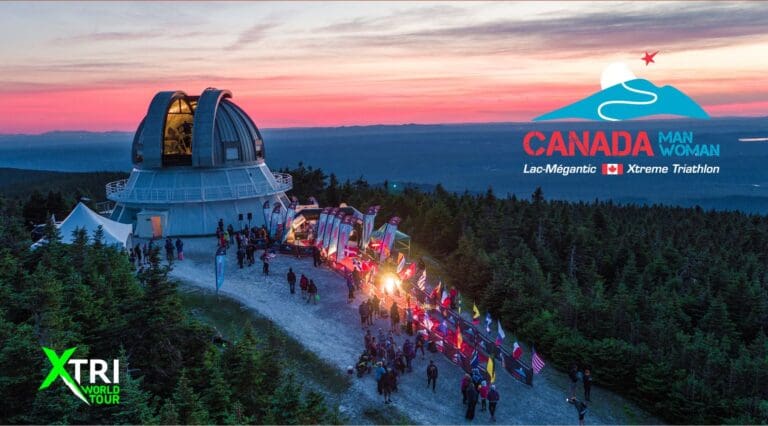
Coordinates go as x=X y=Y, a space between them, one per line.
x=332 y=330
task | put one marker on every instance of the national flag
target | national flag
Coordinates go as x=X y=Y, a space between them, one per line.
x=350 y=251
x=537 y=363
x=458 y=301
x=428 y=321
x=443 y=327
x=517 y=351
x=475 y=361
x=491 y=370
x=475 y=315
x=436 y=290
x=613 y=169
x=501 y=336
x=422 y=282
x=357 y=264
x=459 y=337
x=445 y=301
x=400 y=262
x=488 y=322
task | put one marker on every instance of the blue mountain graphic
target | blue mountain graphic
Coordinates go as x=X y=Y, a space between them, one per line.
x=631 y=99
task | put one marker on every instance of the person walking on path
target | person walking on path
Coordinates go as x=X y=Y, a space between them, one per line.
x=419 y=344
x=471 y=401
x=432 y=375
x=493 y=399
x=180 y=249
x=312 y=290
x=369 y=320
x=573 y=375
x=315 y=256
x=137 y=251
x=581 y=408
x=303 y=284
x=291 y=280
x=376 y=312
x=587 y=379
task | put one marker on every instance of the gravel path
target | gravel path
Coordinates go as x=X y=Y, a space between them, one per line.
x=332 y=330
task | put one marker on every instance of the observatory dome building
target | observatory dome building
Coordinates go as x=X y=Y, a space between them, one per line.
x=197 y=159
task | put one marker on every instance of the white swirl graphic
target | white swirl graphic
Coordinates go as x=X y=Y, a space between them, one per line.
x=652 y=101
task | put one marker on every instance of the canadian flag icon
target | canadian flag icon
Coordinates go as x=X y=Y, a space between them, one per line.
x=613 y=169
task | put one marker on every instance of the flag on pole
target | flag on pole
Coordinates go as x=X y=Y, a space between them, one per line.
x=436 y=290
x=501 y=336
x=428 y=321
x=537 y=363
x=422 y=282
x=400 y=262
x=475 y=361
x=491 y=370
x=445 y=301
x=517 y=351
x=488 y=322
x=475 y=315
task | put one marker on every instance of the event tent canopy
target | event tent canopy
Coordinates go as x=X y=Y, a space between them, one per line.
x=115 y=233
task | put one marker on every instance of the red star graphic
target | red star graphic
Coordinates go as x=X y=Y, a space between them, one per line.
x=649 y=58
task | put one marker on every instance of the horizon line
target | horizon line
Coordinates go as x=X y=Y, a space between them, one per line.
x=466 y=123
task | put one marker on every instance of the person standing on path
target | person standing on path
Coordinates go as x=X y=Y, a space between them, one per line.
x=291 y=280
x=312 y=290
x=363 y=309
x=483 y=391
x=493 y=399
x=180 y=249
x=587 y=379
x=169 y=249
x=350 y=289
x=471 y=401
x=466 y=383
x=432 y=375
x=265 y=260
x=304 y=285
x=573 y=375
x=315 y=256
x=394 y=316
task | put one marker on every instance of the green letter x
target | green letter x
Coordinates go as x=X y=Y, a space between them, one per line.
x=58 y=370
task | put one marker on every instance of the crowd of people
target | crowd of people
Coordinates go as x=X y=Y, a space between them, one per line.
x=382 y=356
x=138 y=255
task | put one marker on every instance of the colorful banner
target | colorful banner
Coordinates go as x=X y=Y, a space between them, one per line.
x=221 y=260
x=329 y=227
x=344 y=231
x=289 y=215
x=320 y=231
x=267 y=214
x=276 y=216
x=368 y=220
x=389 y=238
x=333 y=241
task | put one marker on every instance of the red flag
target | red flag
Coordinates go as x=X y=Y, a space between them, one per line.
x=613 y=169
x=459 y=338
x=517 y=351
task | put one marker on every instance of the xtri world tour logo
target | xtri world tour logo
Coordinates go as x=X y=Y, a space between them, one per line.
x=102 y=386
x=624 y=96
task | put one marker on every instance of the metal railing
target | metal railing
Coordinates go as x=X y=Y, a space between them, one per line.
x=117 y=191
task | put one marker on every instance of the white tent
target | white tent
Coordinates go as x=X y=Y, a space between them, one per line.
x=115 y=233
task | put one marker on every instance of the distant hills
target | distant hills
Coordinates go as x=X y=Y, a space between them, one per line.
x=467 y=156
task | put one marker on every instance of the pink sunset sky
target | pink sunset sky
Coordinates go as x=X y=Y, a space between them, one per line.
x=95 y=66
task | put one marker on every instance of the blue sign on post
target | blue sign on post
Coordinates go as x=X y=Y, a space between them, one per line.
x=220 y=260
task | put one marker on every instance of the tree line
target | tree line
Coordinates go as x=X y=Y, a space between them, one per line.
x=173 y=371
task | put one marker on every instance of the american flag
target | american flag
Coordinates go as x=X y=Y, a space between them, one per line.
x=537 y=363
x=422 y=282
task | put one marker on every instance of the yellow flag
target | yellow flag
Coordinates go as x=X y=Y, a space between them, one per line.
x=476 y=312
x=490 y=370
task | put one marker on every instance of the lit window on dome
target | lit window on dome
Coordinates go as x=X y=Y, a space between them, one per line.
x=177 y=139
